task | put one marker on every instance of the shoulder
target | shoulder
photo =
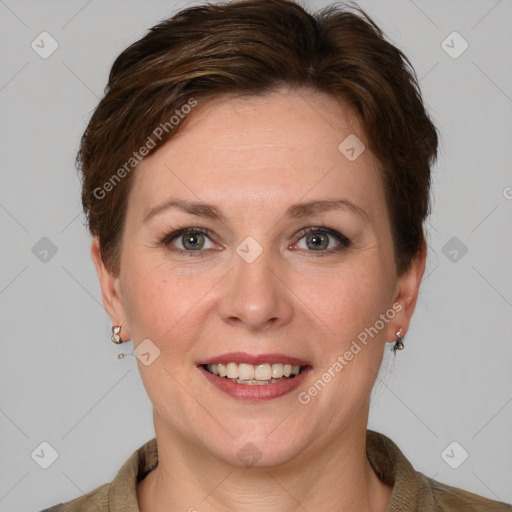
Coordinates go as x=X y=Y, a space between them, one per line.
x=413 y=491
x=94 y=501
x=121 y=493
x=447 y=498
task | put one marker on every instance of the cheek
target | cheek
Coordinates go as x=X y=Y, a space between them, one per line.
x=350 y=303
x=156 y=302
x=350 y=299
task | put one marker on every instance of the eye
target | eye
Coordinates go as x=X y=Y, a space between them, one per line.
x=191 y=240
x=317 y=239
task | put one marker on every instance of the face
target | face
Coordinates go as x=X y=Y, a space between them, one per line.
x=259 y=279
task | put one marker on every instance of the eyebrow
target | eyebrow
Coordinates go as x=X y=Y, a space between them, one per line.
x=295 y=211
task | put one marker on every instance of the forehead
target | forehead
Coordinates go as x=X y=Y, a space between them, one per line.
x=281 y=147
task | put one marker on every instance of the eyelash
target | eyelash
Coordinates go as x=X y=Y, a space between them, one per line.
x=169 y=238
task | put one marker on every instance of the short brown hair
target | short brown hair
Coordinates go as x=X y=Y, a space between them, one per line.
x=253 y=47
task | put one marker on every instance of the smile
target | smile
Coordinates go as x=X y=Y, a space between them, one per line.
x=255 y=378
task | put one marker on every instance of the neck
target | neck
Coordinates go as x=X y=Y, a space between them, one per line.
x=339 y=477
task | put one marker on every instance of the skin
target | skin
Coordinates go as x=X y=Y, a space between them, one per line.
x=253 y=158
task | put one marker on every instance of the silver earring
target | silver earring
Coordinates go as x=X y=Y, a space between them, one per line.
x=116 y=338
x=398 y=343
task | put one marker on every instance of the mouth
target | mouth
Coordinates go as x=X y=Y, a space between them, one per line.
x=255 y=377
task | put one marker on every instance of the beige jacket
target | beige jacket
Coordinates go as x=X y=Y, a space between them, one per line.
x=412 y=491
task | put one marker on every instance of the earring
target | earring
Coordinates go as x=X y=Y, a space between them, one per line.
x=116 y=338
x=398 y=343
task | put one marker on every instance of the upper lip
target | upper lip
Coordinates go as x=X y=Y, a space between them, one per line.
x=254 y=359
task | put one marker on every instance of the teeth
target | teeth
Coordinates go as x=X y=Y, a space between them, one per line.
x=254 y=374
x=277 y=371
x=232 y=370
x=245 y=371
x=221 y=369
x=262 y=372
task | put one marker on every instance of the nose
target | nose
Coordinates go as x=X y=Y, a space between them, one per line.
x=256 y=295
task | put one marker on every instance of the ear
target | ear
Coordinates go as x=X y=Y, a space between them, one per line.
x=406 y=294
x=110 y=291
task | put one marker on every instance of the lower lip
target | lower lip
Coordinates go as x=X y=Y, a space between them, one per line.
x=255 y=393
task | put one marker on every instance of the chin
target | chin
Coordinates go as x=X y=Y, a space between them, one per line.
x=263 y=444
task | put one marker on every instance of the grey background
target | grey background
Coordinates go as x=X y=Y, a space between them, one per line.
x=60 y=379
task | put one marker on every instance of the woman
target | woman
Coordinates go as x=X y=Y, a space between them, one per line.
x=256 y=181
